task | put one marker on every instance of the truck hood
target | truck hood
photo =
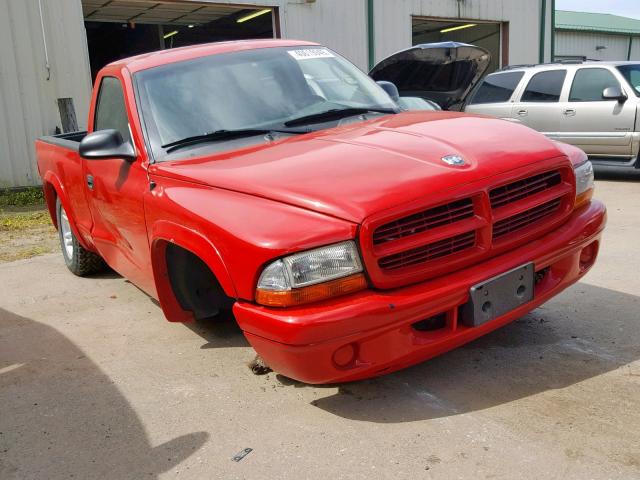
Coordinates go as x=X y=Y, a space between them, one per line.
x=444 y=72
x=353 y=171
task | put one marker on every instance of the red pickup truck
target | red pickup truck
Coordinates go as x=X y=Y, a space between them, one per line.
x=349 y=238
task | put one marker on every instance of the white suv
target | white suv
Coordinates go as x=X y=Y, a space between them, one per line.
x=592 y=105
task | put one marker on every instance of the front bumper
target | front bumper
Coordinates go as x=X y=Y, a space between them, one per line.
x=372 y=332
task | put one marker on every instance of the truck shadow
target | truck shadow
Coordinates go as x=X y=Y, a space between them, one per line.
x=219 y=332
x=547 y=349
x=62 y=417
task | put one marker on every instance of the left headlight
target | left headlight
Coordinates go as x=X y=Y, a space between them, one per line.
x=311 y=276
x=584 y=183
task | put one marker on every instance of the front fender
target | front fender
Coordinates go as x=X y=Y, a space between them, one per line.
x=234 y=233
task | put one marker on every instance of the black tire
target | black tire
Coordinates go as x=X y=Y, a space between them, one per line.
x=81 y=262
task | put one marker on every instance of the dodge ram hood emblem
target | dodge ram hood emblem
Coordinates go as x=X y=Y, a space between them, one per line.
x=454 y=160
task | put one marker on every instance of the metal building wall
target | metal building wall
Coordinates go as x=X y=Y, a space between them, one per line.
x=393 y=23
x=342 y=24
x=339 y=24
x=635 y=49
x=585 y=43
x=28 y=105
x=28 y=93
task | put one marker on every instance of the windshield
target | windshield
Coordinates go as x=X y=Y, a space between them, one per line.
x=254 y=89
x=632 y=74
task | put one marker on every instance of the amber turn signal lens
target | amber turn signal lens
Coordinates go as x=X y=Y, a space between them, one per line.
x=312 y=293
x=584 y=198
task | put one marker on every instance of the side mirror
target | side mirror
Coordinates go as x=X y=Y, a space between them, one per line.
x=391 y=90
x=614 y=93
x=106 y=144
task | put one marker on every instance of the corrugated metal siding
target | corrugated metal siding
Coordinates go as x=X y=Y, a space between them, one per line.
x=393 y=22
x=635 y=49
x=340 y=25
x=585 y=43
x=28 y=101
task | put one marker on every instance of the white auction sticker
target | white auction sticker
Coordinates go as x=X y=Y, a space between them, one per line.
x=308 y=53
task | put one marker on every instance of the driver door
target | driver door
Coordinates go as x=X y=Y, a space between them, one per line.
x=115 y=189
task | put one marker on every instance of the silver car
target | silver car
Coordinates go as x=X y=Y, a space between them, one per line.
x=592 y=105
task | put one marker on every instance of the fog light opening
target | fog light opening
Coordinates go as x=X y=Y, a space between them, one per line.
x=430 y=324
x=345 y=356
x=588 y=256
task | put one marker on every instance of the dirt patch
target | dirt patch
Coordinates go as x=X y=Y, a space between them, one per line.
x=25 y=234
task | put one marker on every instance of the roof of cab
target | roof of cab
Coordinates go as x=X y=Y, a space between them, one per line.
x=164 y=57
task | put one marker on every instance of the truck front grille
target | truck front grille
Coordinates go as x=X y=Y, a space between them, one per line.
x=439 y=239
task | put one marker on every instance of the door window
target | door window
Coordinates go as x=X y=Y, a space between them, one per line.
x=631 y=73
x=589 y=83
x=110 y=109
x=545 y=86
x=497 y=88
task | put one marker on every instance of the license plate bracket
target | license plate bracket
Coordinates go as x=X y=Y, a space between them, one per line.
x=498 y=295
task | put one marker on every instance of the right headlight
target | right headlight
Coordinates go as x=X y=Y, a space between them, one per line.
x=584 y=183
x=311 y=276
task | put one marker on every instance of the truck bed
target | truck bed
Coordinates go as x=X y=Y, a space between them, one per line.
x=69 y=140
x=60 y=167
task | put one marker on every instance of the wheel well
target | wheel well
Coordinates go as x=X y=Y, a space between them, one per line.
x=194 y=285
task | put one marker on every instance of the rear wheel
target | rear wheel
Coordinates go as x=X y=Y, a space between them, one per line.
x=77 y=258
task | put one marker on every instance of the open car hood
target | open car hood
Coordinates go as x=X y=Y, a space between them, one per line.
x=444 y=72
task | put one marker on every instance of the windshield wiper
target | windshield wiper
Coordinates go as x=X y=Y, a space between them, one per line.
x=335 y=113
x=223 y=135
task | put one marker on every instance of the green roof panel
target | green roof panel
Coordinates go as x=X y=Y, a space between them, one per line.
x=596 y=22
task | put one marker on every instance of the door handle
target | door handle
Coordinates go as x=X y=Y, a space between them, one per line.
x=569 y=112
x=523 y=113
x=90 y=182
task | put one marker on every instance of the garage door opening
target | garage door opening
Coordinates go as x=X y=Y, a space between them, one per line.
x=488 y=35
x=118 y=29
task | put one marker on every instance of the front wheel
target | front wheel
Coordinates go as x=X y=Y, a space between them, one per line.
x=77 y=258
